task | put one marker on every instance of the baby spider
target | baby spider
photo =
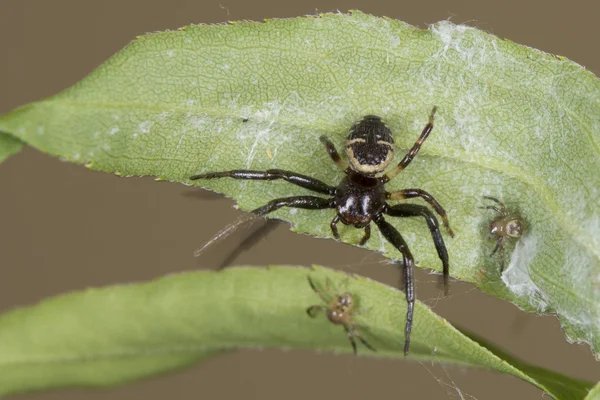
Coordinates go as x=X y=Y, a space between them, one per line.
x=506 y=225
x=339 y=311
x=360 y=198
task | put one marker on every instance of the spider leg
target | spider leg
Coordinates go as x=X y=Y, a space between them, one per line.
x=363 y=341
x=269 y=175
x=350 y=338
x=311 y=310
x=415 y=210
x=394 y=237
x=306 y=202
x=366 y=236
x=498 y=245
x=314 y=287
x=413 y=151
x=492 y=199
x=502 y=261
x=498 y=210
x=410 y=193
x=501 y=204
x=335 y=156
x=334 y=228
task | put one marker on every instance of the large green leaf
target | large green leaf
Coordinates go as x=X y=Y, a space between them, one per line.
x=512 y=122
x=102 y=337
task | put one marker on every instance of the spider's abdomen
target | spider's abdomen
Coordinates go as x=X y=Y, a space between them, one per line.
x=370 y=146
x=359 y=198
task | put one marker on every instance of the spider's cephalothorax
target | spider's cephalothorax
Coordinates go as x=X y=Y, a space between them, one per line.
x=360 y=198
x=339 y=311
x=505 y=226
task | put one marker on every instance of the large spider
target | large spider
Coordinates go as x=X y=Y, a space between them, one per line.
x=361 y=197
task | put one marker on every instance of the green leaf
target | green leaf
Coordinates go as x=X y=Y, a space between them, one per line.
x=107 y=336
x=554 y=382
x=8 y=146
x=512 y=122
x=594 y=393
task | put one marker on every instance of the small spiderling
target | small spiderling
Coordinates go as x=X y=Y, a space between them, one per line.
x=506 y=225
x=339 y=311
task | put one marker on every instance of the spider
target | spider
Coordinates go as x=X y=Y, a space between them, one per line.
x=361 y=198
x=506 y=225
x=339 y=311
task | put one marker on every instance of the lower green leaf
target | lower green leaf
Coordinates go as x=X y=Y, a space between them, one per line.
x=9 y=145
x=102 y=337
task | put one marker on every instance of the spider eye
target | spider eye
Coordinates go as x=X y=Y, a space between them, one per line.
x=345 y=300
x=369 y=146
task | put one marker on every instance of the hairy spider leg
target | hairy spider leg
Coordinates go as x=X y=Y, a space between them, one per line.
x=502 y=209
x=394 y=237
x=413 y=151
x=335 y=156
x=411 y=193
x=269 y=175
x=415 y=210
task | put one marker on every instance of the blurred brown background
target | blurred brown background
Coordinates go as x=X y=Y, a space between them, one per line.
x=59 y=221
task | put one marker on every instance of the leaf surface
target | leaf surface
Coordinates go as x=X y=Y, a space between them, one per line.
x=512 y=122
x=112 y=335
